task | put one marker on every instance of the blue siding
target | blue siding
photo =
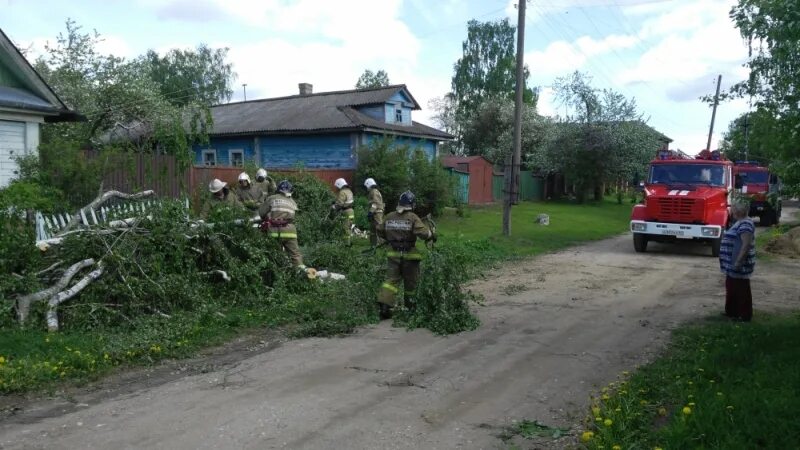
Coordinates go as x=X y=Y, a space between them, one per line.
x=426 y=145
x=332 y=151
x=390 y=118
x=222 y=145
x=401 y=97
x=376 y=112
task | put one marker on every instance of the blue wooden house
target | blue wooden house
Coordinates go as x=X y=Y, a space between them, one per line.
x=318 y=131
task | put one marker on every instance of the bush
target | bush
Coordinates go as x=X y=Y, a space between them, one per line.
x=398 y=168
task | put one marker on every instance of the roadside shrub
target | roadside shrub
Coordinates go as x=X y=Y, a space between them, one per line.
x=397 y=168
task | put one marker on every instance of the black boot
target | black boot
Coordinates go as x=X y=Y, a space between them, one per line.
x=385 y=311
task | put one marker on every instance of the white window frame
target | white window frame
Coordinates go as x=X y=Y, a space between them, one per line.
x=204 y=161
x=233 y=151
x=398 y=109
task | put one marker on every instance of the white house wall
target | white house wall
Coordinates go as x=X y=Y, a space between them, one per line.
x=19 y=136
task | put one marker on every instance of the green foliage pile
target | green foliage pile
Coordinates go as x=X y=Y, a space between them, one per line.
x=398 y=168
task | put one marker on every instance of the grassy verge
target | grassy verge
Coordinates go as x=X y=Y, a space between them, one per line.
x=33 y=359
x=720 y=385
x=570 y=224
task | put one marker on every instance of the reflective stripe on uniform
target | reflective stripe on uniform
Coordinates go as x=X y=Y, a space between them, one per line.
x=283 y=235
x=390 y=288
x=404 y=255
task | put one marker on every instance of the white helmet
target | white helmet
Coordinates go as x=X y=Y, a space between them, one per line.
x=261 y=173
x=216 y=185
x=244 y=177
x=369 y=183
x=340 y=183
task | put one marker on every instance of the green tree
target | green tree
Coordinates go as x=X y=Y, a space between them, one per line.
x=490 y=130
x=772 y=29
x=605 y=141
x=752 y=136
x=370 y=79
x=183 y=77
x=487 y=67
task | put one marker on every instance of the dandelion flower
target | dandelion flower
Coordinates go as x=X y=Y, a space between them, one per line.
x=616 y=447
x=595 y=410
x=687 y=411
x=609 y=422
x=605 y=397
x=587 y=436
x=662 y=411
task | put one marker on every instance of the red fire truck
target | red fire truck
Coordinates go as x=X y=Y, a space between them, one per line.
x=685 y=198
x=763 y=190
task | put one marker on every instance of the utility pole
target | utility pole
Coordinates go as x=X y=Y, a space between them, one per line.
x=512 y=173
x=713 y=114
x=244 y=86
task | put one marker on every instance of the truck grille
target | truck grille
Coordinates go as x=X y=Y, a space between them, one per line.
x=678 y=210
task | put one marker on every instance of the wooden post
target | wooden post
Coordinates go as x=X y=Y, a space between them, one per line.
x=512 y=173
x=713 y=114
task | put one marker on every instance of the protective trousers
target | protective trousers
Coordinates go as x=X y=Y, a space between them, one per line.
x=400 y=272
x=377 y=219
x=293 y=249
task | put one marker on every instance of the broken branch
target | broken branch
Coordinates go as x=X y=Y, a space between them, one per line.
x=52 y=313
x=24 y=302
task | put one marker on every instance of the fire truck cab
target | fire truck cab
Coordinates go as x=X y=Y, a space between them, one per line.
x=762 y=189
x=685 y=198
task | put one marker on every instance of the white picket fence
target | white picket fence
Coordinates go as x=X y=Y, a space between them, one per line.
x=119 y=214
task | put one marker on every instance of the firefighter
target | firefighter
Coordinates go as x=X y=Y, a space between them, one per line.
x=220 y=195
x=265 y=183
x=400 y=229
x=250 y=196
x=375 y=213
x=344 y=205
x=277 y=218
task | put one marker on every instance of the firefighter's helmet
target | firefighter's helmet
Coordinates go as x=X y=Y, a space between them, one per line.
x=244 y=177
x=340 y=183
x=407 y=199
x=285 y=187
x=261 y=174
x=369 y=183
x=216 y=185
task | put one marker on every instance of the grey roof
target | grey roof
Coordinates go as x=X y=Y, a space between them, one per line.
x=41 y=97
x=314 y=113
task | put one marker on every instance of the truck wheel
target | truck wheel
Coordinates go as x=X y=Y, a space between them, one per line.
x=766 y=218
x=715 y=243
x=639 y=242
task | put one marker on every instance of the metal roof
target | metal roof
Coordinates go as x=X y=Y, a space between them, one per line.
x=324 y=111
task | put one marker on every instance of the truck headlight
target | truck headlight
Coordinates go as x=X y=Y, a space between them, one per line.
x=638 y=226
x=709 y=231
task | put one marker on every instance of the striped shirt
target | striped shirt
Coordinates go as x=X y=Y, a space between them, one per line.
x=730 y=247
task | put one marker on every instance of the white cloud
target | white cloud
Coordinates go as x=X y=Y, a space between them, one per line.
x=562 y=57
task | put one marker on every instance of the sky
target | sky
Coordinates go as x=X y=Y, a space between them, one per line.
x=663 y=53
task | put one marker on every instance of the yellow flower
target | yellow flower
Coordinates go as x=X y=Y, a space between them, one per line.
x=605 y=397
x=662 y=411
x=686 y=410
x=608 y=422
x=624 y=372
x=586 y=436
x=595 y=410
x=2 y=360
x=616 y=447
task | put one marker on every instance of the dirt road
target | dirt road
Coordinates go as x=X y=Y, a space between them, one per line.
x=554 y=328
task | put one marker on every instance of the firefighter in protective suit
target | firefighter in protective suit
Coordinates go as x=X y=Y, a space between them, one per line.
x=344 y=205
x=375 y=213
x=265 y=183
x=400 y=229
x=251 y=196
x=277 y=219
x=221 y=195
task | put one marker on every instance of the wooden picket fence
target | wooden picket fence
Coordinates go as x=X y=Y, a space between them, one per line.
x=115 y=214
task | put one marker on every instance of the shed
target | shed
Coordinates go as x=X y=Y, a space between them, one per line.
x=480 y=172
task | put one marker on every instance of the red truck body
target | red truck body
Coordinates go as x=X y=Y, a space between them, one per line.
x=685 y=198
x=762 y=189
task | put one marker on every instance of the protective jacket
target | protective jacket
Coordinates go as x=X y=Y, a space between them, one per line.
x=344 y=202
x=278 y=211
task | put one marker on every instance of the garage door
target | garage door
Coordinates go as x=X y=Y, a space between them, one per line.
x=12 y=145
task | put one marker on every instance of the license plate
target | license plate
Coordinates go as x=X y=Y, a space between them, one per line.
x=672 y=232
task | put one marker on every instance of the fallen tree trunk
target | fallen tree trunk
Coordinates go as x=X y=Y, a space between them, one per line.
x=24 y=302
x=61 y=297
x=106 y=196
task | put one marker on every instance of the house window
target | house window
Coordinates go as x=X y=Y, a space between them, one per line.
x=236 y=157
x=209 y=157
x=398 y=115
